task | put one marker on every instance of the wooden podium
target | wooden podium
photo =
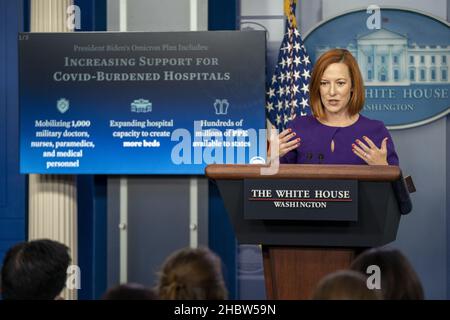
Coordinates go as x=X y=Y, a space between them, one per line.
x=297 y=253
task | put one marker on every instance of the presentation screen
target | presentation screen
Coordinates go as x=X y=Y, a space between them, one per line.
x=141 y=103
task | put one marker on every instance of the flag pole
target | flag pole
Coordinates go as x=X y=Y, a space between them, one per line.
x=288 y=13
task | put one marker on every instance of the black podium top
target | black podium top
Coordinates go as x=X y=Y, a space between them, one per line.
x=378 y=212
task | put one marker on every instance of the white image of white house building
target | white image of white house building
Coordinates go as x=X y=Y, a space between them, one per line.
x=141 y=105
x=386 y=58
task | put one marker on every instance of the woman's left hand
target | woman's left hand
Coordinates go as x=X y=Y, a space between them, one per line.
x=370 y=153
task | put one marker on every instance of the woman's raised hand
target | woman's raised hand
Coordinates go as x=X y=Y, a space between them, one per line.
x=370 y=153
x=285 y=141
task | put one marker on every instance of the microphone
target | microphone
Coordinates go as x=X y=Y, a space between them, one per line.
x=321 y=157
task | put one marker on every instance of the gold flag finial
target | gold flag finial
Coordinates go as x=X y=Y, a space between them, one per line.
x=289 y=13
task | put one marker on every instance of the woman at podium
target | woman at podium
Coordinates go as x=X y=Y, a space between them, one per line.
x=336 y=132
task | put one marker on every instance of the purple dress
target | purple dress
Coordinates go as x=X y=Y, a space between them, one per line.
x=315 y=144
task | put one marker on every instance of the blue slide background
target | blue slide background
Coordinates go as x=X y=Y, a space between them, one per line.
x=242 y=54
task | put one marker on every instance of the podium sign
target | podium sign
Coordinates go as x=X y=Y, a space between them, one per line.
x=332 y=200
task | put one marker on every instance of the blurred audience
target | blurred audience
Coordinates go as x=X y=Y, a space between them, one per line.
x=345 y=285
x=399 y=281
x=130 y=291
x=35 y=270
x=192 y=274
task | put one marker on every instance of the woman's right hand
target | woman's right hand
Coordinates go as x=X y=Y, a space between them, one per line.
x=285 y=142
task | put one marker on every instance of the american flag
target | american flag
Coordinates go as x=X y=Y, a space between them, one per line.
x=288 y=92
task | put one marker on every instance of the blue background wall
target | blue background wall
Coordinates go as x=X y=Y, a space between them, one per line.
x=13 y=224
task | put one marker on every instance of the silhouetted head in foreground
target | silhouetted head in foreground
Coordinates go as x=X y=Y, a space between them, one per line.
x=192 y=274
x=345 y=285
x=130 y=291
x=399 y=281
x=35 y=270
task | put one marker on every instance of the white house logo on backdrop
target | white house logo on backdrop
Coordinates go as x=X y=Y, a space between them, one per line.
x=405 y=63
x=385 y=58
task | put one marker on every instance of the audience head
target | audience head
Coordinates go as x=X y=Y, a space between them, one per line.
x=35 y=270
x=192 y=274
x=345 y=285
x=130 y=291
x=399 y=281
